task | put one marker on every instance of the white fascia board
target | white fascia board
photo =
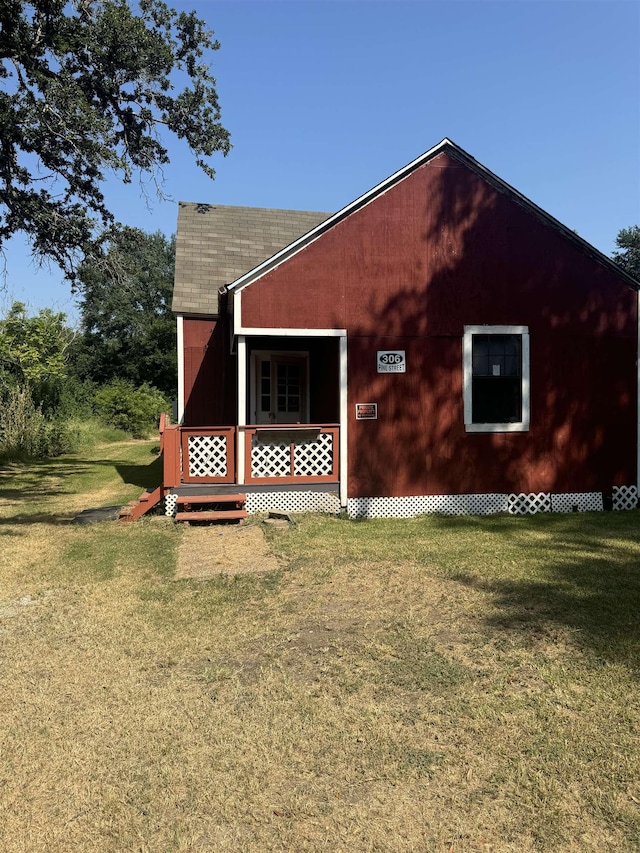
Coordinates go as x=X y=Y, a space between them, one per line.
x=379 y=189
x=542 y=214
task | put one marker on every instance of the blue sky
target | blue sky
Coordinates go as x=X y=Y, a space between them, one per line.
x=325 y=99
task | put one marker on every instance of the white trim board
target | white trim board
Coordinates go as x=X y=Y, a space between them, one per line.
x=310 y=236
x=242 y=406
x=280 y=332
x=343 y=473
x=467 y=376
x=180 y=346
x=293 y=333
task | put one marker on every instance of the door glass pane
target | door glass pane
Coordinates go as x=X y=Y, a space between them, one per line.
x=265 y=386
x=288 y=387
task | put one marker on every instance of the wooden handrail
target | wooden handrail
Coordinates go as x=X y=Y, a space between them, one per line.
x=321 y=427
x=170 y=455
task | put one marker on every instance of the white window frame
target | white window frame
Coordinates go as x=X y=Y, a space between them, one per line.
x=467 y=374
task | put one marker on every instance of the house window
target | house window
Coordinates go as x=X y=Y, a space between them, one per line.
x=496 y=378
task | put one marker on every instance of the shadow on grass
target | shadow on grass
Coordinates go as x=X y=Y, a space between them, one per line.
x=579 y=572
x=146 y=476
x=40 y=480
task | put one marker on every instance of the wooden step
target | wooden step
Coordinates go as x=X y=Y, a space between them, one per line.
x=210 y=499
x=136 y=509
x=212 y=515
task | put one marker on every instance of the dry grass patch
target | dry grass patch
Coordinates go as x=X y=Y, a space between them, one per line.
x=438 y=685
x=210 y=550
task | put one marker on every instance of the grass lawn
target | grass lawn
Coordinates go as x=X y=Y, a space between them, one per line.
x=434 y=684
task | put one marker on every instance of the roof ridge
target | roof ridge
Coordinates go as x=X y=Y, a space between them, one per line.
x=447 y=146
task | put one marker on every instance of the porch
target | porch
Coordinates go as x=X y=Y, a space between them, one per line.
x=287 y=467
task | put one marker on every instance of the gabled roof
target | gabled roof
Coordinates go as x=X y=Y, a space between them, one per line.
x=451 y=149
x=217 y=244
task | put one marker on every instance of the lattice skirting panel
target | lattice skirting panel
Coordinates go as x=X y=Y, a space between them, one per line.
x=481 y=504
x=421 y=504
x=625 y=497
x=529 y=504
x=524 y=504
x=577 y=502
x=170 y=505
x=302 y=501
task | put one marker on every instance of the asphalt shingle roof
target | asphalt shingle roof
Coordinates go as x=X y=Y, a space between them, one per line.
x=216 y=244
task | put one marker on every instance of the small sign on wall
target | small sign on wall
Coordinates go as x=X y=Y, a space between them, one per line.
x=366 y=411
x=392 y=361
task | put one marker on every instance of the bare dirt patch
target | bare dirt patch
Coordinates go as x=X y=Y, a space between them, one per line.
x=214 y=550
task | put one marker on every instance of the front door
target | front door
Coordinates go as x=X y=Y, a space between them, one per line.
x=280 y=388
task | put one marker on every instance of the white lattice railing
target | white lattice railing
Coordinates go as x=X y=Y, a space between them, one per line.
x=291 y=453
x=208 y=455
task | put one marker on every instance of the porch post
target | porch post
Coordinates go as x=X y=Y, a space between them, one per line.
x=242 y=405
x=344 y=467
x=180 y=345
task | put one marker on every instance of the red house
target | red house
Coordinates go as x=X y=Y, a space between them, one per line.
x=439 y=345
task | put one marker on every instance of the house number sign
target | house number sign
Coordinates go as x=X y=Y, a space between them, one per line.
x=392 y=361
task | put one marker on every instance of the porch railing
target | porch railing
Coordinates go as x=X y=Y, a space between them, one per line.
x=208 y=454
x=270 y=454
x=290 y=454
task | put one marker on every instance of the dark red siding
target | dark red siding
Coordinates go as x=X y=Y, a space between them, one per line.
x=209 y=373
x=439 y=250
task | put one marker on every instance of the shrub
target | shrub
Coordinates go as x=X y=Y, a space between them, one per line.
x=75 y=399
x=135 y=410
x=25 y=432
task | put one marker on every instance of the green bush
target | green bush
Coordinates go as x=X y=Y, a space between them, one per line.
x=25 y=433
x=76 y=399
x=135 y=410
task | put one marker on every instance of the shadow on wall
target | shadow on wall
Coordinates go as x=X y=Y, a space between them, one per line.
x=483 y=259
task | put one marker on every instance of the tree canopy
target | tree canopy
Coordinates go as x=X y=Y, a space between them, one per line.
x=127 y=329
x=87 y=85
x=628 y=241
x=34 y=354
x=32 y=349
